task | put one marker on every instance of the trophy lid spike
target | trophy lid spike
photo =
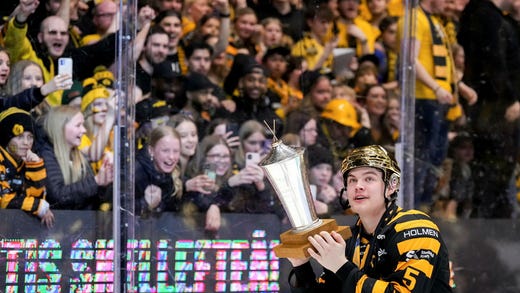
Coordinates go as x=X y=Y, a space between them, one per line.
x=275 y=139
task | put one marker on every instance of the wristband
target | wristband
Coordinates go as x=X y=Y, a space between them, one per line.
x=224 y=15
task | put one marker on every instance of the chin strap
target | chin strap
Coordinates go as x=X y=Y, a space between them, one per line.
x=343 y=202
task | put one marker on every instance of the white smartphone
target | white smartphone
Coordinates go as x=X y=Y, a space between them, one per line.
x=65 y=66
x=252 y=159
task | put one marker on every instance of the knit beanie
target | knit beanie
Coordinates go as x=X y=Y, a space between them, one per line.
x=92 y=91
x=104 y=76
x=317 y=154
x=13 y=122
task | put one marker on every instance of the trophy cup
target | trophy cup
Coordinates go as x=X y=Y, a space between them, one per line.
x=286 y=169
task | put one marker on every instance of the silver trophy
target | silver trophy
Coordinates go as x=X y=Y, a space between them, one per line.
x=286 y=169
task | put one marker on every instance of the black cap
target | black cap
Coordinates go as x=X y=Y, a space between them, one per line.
x=75 y=91
x=242 y=65
x=282 y=51
x=149 y=109
x=165 y=70
x=196 y=82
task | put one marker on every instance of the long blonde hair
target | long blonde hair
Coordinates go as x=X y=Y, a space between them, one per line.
x=156 y=135
x=73 y=164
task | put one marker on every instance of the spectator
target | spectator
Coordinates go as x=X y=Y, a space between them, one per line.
x=175 y=5
x=168 y=86
x=103 y=17
x=54 y=39
x=28 y=98
x=155 y=52
x=303 y=125
x=462 y=183
x=201 y=103
x=5 y=69
x=71 y=183
x=97 y=106
x=365 y=76
x=312 y=46
x=378 y=11
x=252 y=140
x=386 y=48
x=375 y=102
x=321 y=168
x=251 y=99
x=158 y=186
x=358 y=33
x=272 y=37
x=24 y=74
x=199 y=55
x=246 y=32
x=193 y=11
x=339 y=129
x=392 y=119
x=149 y=114
x=187 y=129
x=170 y=21
x=227 y=130
x=317 y=90
x=493 y=70
x=212 y=165
x=289 y=15
x=22 y=172
x=295 y=67
x=433 y=98
x=275 y=62
x=213 y=28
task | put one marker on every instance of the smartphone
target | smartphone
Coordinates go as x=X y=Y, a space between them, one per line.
x=65 y=66
x=233 y=128
x=252 y=158
x=210 y=171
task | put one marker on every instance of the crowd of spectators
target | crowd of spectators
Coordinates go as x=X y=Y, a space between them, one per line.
x=209 y=73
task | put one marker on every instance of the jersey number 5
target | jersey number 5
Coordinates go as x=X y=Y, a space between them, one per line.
x=410 y=276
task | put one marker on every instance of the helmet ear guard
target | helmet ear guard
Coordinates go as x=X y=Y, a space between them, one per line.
x=393 y=182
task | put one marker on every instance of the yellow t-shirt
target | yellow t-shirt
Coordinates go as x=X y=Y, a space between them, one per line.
x=423 y=35
x=311 y=50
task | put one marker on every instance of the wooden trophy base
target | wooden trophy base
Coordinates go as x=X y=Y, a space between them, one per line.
x=295 y=244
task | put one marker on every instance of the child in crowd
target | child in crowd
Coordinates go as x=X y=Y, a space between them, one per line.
x=158 y=186
x=22 y=172
x=321 y=169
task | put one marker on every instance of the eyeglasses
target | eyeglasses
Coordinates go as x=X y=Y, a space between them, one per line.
x=217 y=156
x=55 y=33
x=254 y=142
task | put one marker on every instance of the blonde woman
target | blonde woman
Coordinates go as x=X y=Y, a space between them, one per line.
x=158 y=186
x=71 y=183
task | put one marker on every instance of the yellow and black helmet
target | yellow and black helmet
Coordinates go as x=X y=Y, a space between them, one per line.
x=371 y=156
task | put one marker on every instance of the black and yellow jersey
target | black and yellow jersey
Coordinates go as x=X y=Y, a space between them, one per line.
x=406 y=254
x=22 y=184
